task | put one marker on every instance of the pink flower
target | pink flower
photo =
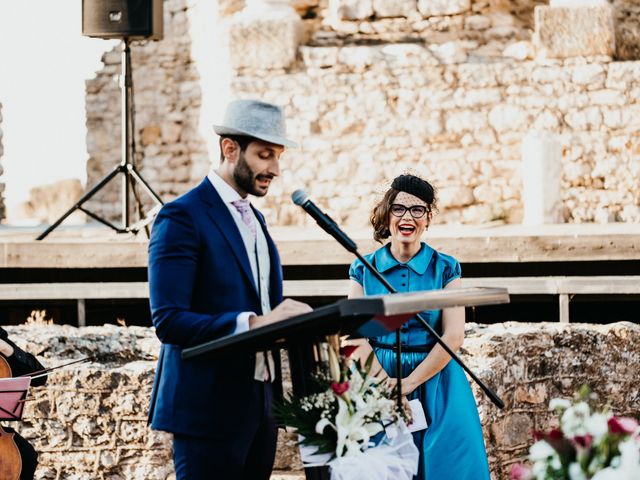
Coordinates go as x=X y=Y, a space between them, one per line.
x=520 y=472
x=339 y=388
x=622 y=425
x=555 y=434
x=583 y=441
x=347 y=350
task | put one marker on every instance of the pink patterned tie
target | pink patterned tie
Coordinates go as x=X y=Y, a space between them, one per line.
x=246 y=214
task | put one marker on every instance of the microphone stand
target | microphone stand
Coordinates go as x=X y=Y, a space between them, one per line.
x=332 y=229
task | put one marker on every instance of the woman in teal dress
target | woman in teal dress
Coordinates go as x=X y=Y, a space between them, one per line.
x=452 y=447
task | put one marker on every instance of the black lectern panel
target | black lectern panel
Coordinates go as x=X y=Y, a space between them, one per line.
x=322 y=321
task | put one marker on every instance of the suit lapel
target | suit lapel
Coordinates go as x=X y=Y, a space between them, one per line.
x=275 y=280
x=222 y=219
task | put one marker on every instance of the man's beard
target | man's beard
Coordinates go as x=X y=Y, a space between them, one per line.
x=245 y=177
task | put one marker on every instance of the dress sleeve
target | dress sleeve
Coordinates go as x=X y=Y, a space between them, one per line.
x=451 y=271
x=356 y=271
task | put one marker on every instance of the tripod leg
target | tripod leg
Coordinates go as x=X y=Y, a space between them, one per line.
x=83 y=199
x=147 y=188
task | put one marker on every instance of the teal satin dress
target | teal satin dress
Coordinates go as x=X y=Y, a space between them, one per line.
x=453 y=445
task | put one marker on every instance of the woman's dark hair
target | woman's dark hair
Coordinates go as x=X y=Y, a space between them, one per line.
x=380 y=214
x=242 y=140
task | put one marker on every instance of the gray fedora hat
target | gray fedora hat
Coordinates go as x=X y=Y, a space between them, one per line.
x=257 y=119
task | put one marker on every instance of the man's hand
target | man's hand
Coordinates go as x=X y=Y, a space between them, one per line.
x=288 y=308
x=5 y=348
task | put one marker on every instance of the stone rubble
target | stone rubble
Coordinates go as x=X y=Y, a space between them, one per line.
x=90 y=420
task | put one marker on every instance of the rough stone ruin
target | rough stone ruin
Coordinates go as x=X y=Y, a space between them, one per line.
x=447 y=89
x=89 y=421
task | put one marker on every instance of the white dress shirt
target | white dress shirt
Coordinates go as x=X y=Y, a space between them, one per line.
x=258 y=252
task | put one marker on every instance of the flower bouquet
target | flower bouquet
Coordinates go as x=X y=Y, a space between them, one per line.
x=589 y=445
x=351 y=424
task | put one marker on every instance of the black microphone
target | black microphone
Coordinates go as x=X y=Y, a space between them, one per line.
x=301 y=199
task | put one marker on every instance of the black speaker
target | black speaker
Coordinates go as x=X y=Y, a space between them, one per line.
x=134 y=19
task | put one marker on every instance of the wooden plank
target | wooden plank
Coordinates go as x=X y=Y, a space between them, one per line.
x=74 y=254
x=600 y=284
x=311 y=246
x=315 y=288
x=563 y=305
x=73 y=291
x=479 y=249
x=604 y=285
x=82 y=313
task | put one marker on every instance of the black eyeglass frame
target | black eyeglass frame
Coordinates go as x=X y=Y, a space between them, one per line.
x=409 y=208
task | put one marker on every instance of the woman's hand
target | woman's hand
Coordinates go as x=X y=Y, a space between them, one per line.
x=408 y=385
x=407 y=410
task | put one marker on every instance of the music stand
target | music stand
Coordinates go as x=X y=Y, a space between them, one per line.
x=13 y=392
x=126 y=167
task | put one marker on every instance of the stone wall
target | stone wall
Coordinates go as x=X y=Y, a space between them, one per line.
x=394 y=108
x=89 y=422
x=2 y=207
x=445 y=89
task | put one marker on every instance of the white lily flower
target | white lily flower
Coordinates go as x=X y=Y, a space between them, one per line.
x=561 y=403
x=629 y=468
x=351 y=430
x=541 y=450
x=322 y=424
x=597 y=426
x=607 y=474
x=576 y=473
x=573 y=419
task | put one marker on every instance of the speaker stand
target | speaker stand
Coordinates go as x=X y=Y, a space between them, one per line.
x=127 y=167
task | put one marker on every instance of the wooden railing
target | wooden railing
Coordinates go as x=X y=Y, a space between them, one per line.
x=563 y=287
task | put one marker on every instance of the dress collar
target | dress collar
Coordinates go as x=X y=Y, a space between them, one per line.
x=385 y=261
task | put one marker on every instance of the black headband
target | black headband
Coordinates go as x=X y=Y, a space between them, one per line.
x=415 y=186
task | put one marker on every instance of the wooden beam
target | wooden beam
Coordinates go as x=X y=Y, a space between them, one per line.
x=82 y=313
x=311 y=246
x=73 y=291
x=563 y=305
x=604 y=285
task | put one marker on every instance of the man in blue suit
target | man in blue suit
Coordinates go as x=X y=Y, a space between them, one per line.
x=215 y=271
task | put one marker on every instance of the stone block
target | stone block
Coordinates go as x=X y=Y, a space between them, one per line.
x=450 y=197
x=542 y=176
x=449 y=52
x=264 y=42
x=477 y=22
x=434 y=8
x=394 y=8
x=48 y=202
x=506 y=117
x=319 y=57
x=562 y=32
x=351 y=9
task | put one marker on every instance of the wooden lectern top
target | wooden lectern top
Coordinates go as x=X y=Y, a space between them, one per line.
x=362 y=317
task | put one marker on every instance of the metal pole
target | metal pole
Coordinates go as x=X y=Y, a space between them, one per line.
x=125 y=85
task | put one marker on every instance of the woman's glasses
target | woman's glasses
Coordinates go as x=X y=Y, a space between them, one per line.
x=416 y=211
